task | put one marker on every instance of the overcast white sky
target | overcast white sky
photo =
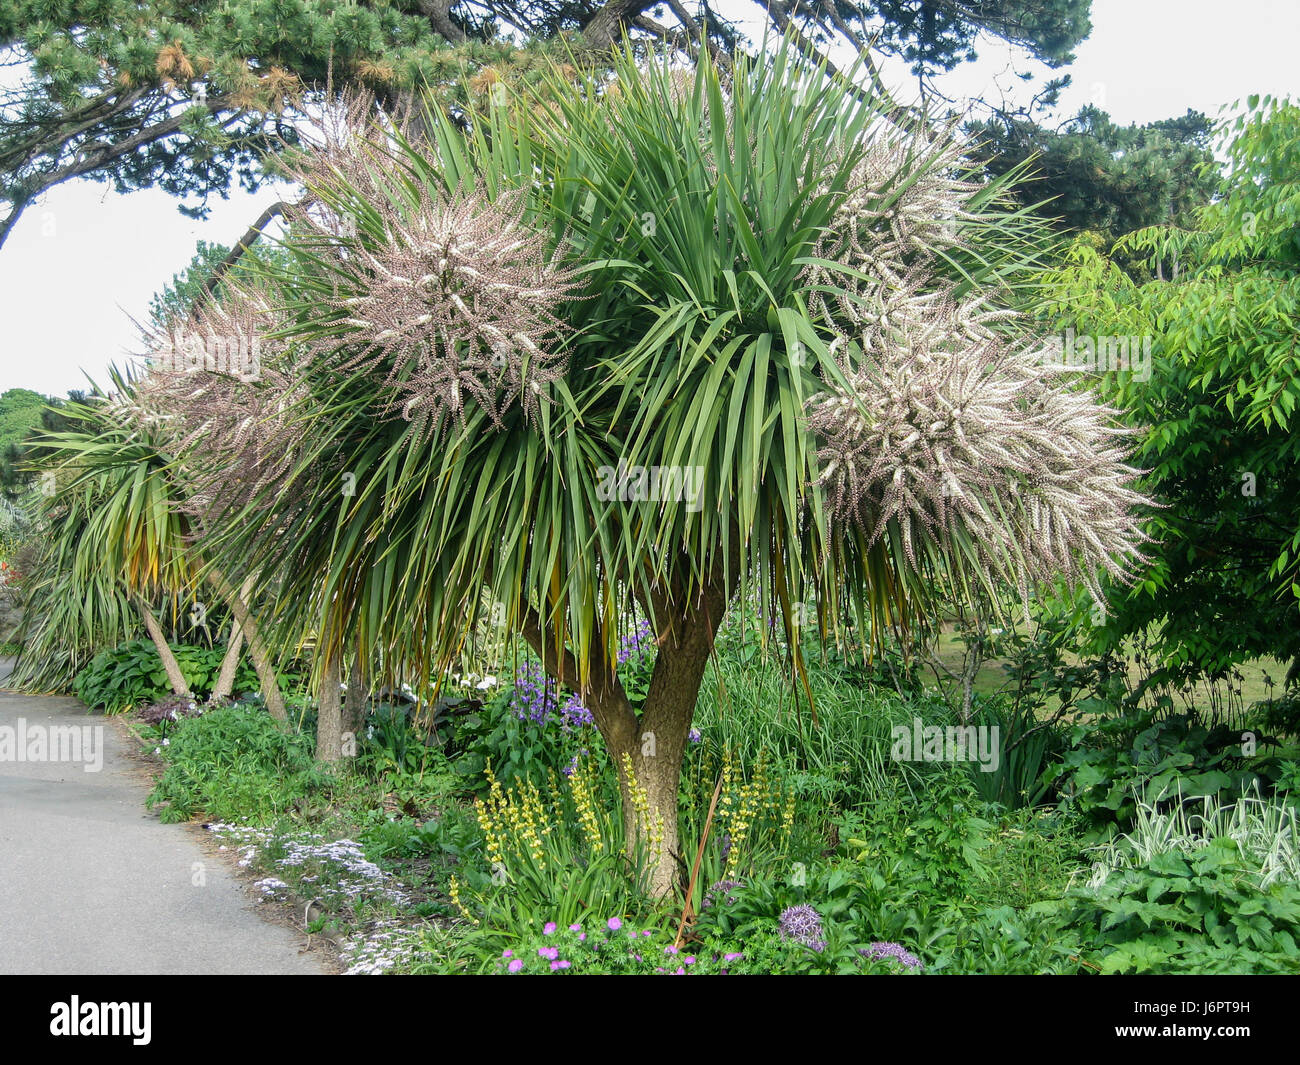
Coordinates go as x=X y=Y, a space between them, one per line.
x=82 y=263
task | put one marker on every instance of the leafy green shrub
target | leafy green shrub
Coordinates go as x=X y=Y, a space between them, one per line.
x=515 y=747
x=1202 y=912
x=235 y=764
x=392 y=746
x=1026 y=749
x=1281 y=715
x=862 y=908
x=938 y=837
x=401 y=838
x=1265 y=831
x=1113 y=764
x=132 y=674
x=931 y=872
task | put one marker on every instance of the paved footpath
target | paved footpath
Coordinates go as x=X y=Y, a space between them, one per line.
x=92 y=883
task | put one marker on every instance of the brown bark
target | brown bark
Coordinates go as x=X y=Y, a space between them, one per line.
x=438 y=12
x=329 y=720
x=229 y=664
x=686 y=633
x=354 y=705
x=653 y=744
x=257 y=650
x=602 y=31
x=174 y=675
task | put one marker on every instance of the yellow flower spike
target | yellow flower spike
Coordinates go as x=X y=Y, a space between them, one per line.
x=580 y=788
x=453 y=892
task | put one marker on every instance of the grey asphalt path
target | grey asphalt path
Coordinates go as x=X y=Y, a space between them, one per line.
x=91 y=883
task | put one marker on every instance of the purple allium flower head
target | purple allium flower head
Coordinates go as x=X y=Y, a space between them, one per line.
x=893 y=952
x=803 y=924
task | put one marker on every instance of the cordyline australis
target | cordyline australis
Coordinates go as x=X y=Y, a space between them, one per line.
x=955 y=431
x=222 y=390
x=953 y=434
x=422 y=306
x=455 y=303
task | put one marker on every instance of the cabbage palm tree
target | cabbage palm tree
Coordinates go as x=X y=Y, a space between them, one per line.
x=644 y=345
x=120 y=517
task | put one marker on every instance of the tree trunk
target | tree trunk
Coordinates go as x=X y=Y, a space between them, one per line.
x=329 y=720
x=174 y=675
x=654 y=743
x=686 y=627
x=354 y=705
x=438 y=12
x=257 y=651
x=229 y=664
x=650 y=802
x=602 y=30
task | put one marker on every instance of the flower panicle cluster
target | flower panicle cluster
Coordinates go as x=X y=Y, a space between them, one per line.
x=582 y=787
x=454 y=893
x=536 y=698
x=907 y=201
x=953 y=435
x=527 y=828
x=754 y=814
x=637 y=642
x=787 y=816
x=948 y=429
x=448 y=296
x=220 y=389
x=751 y=794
